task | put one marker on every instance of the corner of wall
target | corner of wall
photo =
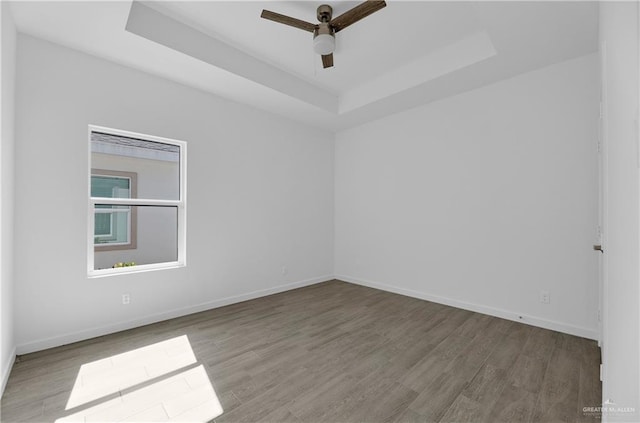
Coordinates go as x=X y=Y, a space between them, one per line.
x=333 y=199
x=6 y=370
x=7 y=141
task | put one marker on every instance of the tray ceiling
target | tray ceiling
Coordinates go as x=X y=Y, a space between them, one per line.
x=407 y=54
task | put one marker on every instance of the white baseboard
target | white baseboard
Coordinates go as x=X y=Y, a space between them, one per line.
x=105 y=330
x=504 y=314
x=69 y=338
x=6 y=370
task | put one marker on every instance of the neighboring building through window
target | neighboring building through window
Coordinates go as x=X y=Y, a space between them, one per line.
x=137 y=202
x=115 y=226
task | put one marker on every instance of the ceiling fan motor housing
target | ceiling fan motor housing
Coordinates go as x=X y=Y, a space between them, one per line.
x=325 y=12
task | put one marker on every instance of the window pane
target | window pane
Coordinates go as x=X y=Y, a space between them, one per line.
x=156 y=232
x=103 y=224
x=112 y=225
x=156 y=164
x=110 y=186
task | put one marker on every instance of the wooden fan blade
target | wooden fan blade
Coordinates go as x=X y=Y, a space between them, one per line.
x=327 y=60
x=288 y=20
x=352 y=16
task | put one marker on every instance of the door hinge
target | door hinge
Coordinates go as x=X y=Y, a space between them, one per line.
x=601 y=373
x=601 y=112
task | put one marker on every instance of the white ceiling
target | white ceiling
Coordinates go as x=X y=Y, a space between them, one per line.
x=390 y=37
x=406 y=54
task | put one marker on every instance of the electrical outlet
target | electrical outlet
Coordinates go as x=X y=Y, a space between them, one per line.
x=285 y=270
x=545 y=298
x=126 y=299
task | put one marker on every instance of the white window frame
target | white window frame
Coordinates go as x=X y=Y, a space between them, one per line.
x=180 y=204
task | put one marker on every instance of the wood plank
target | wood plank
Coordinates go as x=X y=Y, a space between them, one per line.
x=487 y=385
x=463 y=410
x=434 y=401
x=409 y=416
x=527 y=373
x=513 y=406
x=386 y=407
x=510 y=347
x=559 y=392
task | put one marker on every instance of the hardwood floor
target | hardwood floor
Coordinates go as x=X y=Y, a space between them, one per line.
x=337 y=352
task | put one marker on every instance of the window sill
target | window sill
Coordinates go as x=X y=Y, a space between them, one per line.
x=142 y=268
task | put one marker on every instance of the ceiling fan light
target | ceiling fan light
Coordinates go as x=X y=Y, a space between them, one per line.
x=324 y=44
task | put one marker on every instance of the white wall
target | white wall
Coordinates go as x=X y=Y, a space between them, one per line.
x=621 y=290
x=481 y=200
x=157 y=241
x=260 y=196
x=7 y=90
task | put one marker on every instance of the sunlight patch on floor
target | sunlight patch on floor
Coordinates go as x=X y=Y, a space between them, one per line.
x=113 y=374
x=187 y=396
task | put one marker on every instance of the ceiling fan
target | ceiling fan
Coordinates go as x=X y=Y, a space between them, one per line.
x=324 y=41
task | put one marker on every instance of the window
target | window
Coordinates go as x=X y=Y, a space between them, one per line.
x=137 y=206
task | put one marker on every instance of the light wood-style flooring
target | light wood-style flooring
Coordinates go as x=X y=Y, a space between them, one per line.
x=338 y=352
